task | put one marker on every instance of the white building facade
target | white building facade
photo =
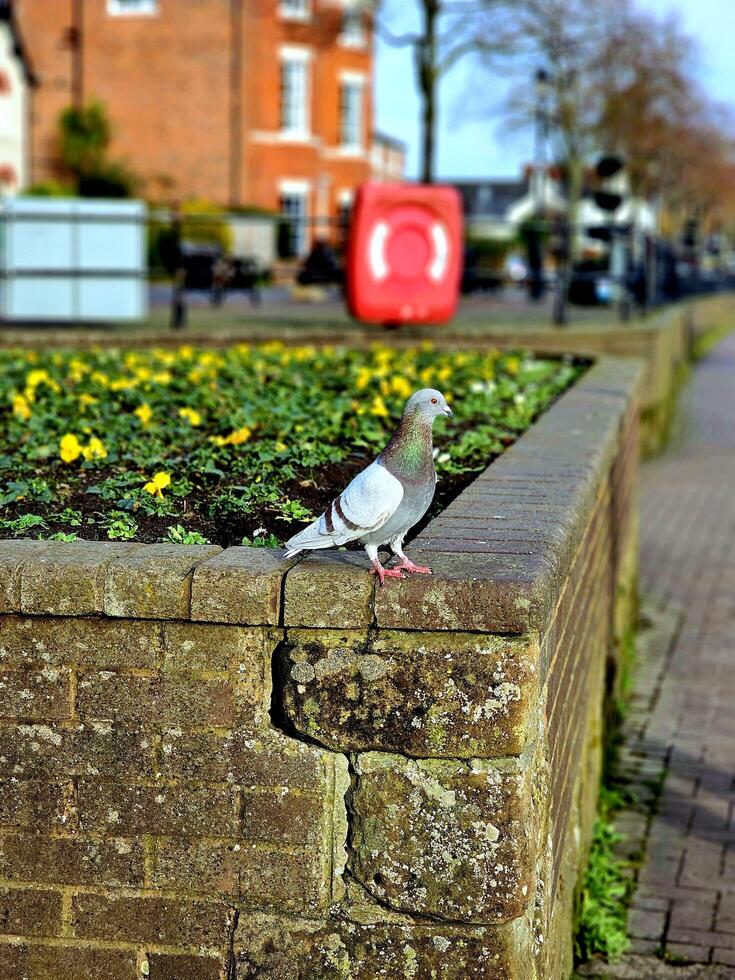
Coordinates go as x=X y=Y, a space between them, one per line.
x=16 y=82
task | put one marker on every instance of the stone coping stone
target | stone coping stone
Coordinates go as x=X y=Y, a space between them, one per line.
x=499 y=552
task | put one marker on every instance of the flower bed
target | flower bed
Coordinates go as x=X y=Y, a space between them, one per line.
x=239 y=445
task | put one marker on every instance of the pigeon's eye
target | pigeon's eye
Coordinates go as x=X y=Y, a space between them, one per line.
x=434 y=401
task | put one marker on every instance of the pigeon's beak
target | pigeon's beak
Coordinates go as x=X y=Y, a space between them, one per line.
x=449 y=412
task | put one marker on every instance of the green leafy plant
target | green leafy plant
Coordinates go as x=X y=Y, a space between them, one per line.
x=602 y=916
x=22 y=524
x=121 y=526
x=179 y=535
x=261 y=541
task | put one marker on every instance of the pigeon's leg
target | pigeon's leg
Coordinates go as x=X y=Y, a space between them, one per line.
x=406 y=564
x=377 y=569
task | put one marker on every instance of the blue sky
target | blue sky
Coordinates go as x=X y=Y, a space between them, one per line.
x=471 y=142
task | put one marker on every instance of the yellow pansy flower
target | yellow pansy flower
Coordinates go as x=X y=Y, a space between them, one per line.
x=401 y=387
x=378 y=407
x=512 y=364
x=70 y=448
x=144 y=413
x=36 y=377
x=363 y=379
x=158 y=484
x=21 y=408
x=234 y=438
x=95 y=449
x=239 y=436
x=191 y=415
x=281 y=447
x=85 y=399
x=123 y=384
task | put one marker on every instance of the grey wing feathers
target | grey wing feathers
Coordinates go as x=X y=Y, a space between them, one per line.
x=367 y=503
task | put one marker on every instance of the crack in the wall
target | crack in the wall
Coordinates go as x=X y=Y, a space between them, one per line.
x=233 y=918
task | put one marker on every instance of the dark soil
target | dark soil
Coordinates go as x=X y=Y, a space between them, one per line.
x=315 y=492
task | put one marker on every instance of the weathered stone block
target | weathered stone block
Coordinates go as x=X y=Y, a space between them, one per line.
x=287 y=816
x=35 y=695
x=13 y=554
x=445 y=839
x=132 y=811
x=150 y=919
x=274 y=949
x=35 y=805
x=449 y=695
x=97 y=642
x=240 y=585
x=264 y=760
x=330 y=590
x=68 y=581
x=470 y=592
x=154 y=582
x=71 y=860
x=46 y=752
x=25 y=912
x=168 y=699
x=246 y=653
x=39 y=962
x=173 y=966
x=254 y=875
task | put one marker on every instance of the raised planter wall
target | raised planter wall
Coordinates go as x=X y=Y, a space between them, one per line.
x=219 y=764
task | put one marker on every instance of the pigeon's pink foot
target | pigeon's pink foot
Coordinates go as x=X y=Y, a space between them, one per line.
x=384 y=573
x=408 y=566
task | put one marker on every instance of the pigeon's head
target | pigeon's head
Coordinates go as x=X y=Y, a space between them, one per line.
x=429 y=402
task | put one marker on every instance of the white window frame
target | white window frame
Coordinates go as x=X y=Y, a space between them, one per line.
x=351 y=38
x=142 y=8
x=294 y=10
x=297 y=190
x=354 y=81
x=301 y=57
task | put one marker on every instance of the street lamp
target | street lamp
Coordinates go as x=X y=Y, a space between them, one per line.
x=543 y=88
x=535 y=230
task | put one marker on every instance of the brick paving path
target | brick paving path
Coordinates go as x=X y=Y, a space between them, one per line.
x=682 y=727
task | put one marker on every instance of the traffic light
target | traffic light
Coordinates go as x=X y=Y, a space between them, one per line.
x=613 y=183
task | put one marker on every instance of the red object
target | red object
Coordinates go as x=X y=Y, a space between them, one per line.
x=405 y=252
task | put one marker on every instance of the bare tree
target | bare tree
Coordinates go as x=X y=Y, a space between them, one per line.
x=448 y=31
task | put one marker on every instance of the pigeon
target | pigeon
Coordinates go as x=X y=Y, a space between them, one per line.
x=387 y=498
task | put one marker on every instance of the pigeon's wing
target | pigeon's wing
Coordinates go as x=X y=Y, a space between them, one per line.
x=367 y=503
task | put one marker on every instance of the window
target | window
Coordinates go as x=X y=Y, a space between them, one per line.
x=294 y=93
x=294 y=9
x=353 y=30
x=294 y=199
x=350 y=113
x=119 y=8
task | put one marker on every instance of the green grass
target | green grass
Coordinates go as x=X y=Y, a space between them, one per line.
x=602 y=915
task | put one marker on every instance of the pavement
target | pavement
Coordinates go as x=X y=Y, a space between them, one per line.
x=312 y=316
x=680 y=737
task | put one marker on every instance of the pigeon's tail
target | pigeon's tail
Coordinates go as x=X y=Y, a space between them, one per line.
x=310 y=539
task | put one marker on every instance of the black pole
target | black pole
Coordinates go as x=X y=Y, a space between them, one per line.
x=235 y=103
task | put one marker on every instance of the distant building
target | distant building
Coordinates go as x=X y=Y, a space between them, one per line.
x=16 y=82
x=387 y=159
x=497 y=208
x=241 y=102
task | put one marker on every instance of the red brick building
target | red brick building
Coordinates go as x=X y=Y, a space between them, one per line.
x=240 y=102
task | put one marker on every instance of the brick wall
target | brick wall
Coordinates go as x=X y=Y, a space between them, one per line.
x=193 y=95
x=221 y=764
